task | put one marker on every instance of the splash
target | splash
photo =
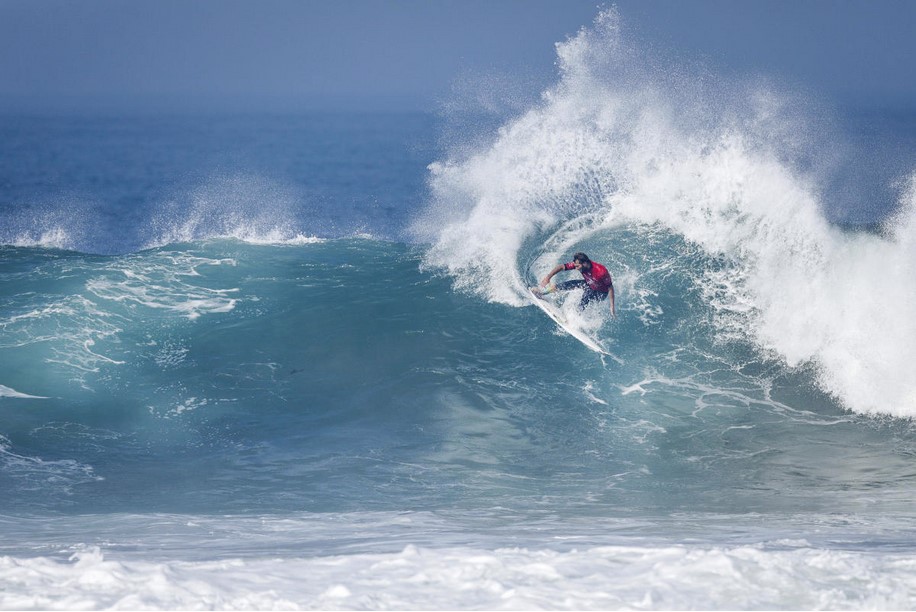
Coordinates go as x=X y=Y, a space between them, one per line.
x=244 y=207
x=45 y=225
x=736 y=169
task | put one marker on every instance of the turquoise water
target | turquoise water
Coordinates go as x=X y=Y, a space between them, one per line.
x=287 y=361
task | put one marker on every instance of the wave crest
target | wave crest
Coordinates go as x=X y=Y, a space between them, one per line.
x=735 y=168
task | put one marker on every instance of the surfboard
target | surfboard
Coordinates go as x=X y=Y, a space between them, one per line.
x=557 y=316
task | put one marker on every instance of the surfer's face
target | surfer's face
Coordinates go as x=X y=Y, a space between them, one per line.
x=582 y=265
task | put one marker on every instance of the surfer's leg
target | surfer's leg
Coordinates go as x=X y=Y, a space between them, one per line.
x=590 y=295
x=570 y=285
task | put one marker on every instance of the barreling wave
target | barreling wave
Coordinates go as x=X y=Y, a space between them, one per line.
x=626 y=145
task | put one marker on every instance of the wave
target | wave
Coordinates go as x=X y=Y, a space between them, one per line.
x=625 y=145
x=245 y=207
x=336 y=376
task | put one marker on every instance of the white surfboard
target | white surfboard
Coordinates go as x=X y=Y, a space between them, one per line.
x=554 y=313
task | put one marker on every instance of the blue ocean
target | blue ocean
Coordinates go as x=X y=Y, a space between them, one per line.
x=288 y=361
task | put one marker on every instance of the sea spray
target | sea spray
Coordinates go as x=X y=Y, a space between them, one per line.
x=621 y=143
x=250 y=208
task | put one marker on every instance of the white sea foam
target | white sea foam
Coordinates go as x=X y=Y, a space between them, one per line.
x=79 y=332
x=68 y=326
x=790 y=576
x=159 y=282
x=622 y=141
x=10 y=392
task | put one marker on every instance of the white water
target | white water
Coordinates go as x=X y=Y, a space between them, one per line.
x=791 y=575
x=736 y=170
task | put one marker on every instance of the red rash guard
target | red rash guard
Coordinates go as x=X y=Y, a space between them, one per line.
x=598 y=279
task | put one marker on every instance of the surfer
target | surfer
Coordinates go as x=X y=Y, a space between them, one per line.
x=596 y=281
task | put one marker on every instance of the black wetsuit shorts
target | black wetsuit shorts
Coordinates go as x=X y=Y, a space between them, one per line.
x=588 y=294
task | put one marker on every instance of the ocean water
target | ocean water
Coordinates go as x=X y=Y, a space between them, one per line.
x=286 y=361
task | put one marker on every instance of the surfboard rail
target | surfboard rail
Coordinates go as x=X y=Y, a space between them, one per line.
x=557 y=317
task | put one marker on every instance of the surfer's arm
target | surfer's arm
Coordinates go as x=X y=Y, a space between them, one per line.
x=552 y=273
x=610 y=295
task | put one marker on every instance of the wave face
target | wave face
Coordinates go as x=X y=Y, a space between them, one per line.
x=336 y=376
x=621 y=151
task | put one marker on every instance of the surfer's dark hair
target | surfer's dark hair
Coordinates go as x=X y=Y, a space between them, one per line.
x=581 y=258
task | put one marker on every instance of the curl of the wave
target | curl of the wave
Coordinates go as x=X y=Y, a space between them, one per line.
x=624 y=140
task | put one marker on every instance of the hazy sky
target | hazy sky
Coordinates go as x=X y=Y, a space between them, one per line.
x=413 y=52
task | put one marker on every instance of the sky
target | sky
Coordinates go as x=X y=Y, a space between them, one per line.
x=414 y=54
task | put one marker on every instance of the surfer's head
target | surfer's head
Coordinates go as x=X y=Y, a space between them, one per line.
x=581 y=261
